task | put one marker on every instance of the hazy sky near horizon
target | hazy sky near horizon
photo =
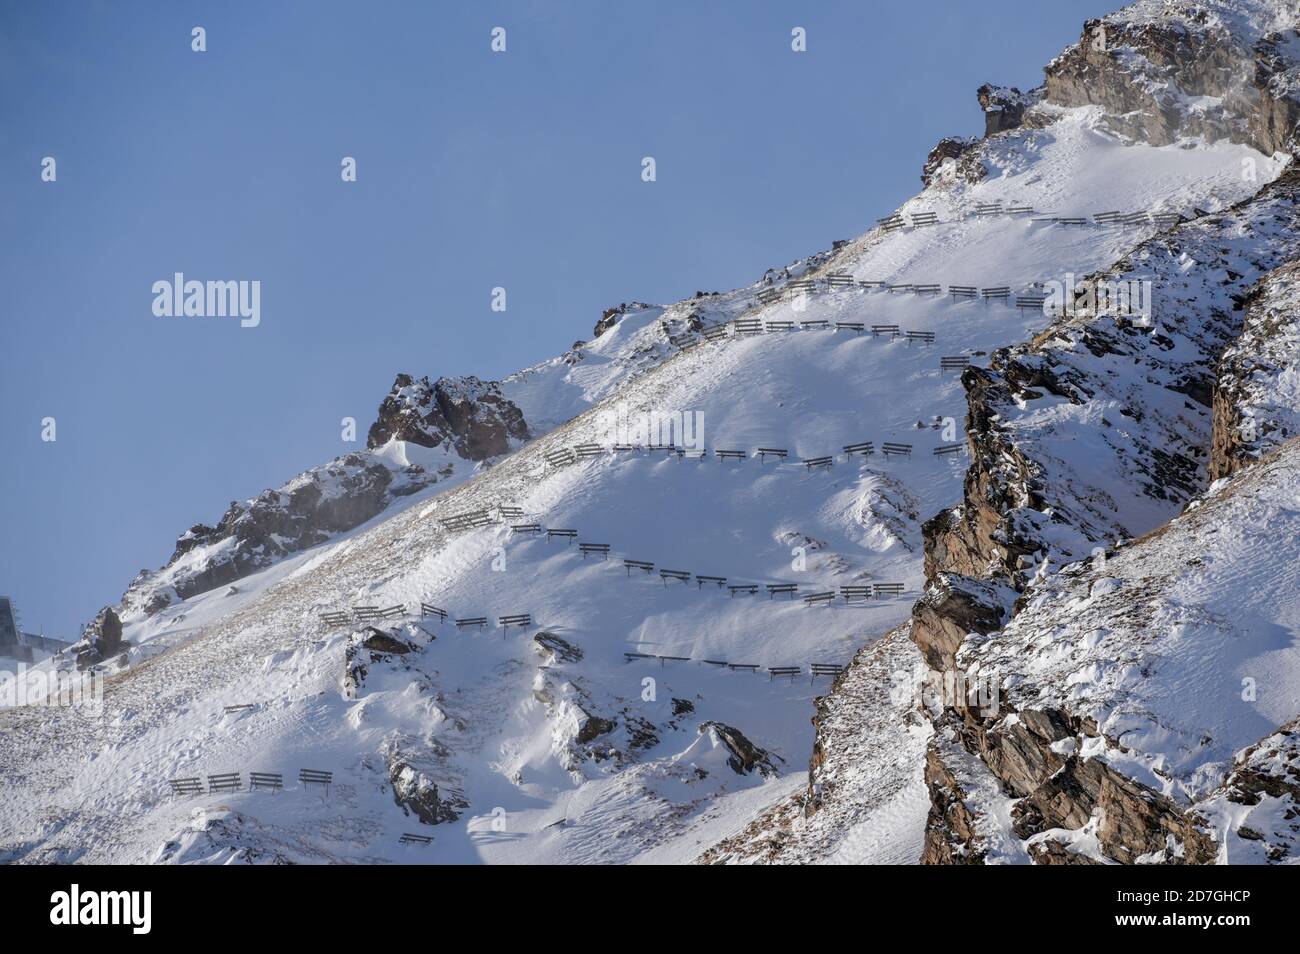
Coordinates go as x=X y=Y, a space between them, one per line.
x=475 y=170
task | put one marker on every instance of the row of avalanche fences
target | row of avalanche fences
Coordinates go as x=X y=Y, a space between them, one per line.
x=1068 y=295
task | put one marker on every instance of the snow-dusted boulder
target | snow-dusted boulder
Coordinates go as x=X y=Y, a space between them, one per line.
x=467 y=414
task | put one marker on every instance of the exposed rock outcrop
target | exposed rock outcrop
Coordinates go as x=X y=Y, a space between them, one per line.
x=1255 y=392
x=308 y=510
x=952 y=607
x=1031 y=504
x=1004 y=107
x=951 y=828
x=470 y=415
x=953 y=160
x=556 y=650
x=592 y=727
x=419 y=795
x=1178 y=70
x=610 y=316
x=1034 y=754
x=101 y=641
x=366 y=648
x=745 y=757
x=464 y=417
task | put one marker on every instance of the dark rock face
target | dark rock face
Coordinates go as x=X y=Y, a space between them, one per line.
x=337 y=497
x=278 y=522
x=1004 y=107
x=951 y=836
x=953 y=160
x=608 y=318
x=1065 y=791
x=470 y=415
x=1143 y=73
x=592 y=728
x=102 y=640
x=745 y=756
x=1055 y=789
x=419 y=795
x=1254 y=410
x=952 y=607
x=471 y=418
x=379 y=642
x=981 y=537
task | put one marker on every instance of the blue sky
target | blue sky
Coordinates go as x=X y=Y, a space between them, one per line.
x=475 y=170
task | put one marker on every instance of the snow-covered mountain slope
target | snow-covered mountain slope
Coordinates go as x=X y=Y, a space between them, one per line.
x=437 y=434
x=1105 y=427
x=865 y=799
x=1157 y=663
x=623 y=722
x=1100 y=427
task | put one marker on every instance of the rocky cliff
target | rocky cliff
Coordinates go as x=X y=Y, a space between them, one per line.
x=1155 y=376
x=1257 y=388
x=101 y=641
x=1136 y=389
x=423 y=433
x=1165 y=71
x=1101 y=429
x=467 y=414
x=1136 y=688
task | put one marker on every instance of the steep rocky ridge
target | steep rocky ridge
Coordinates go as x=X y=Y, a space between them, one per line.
x=1130 y=684
x=425 y=434
x=1165 y=71
x=1257 y=388
x=1149 y=441
x=1154 y=402
x=470 y=415
x=1139 y=390
x=1104 y=427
